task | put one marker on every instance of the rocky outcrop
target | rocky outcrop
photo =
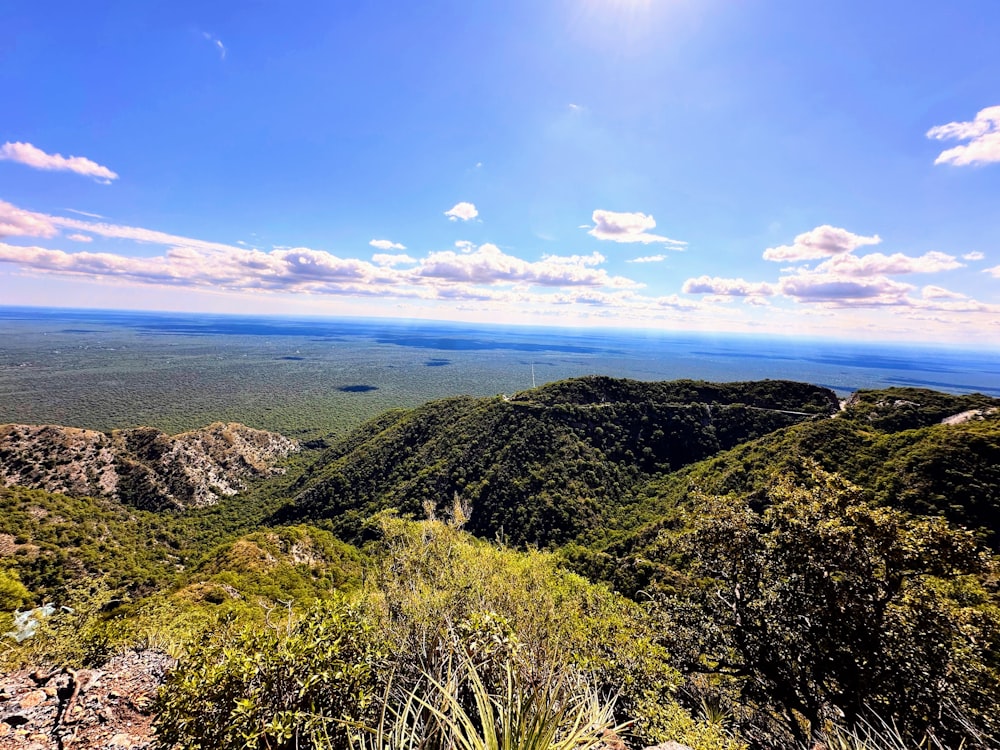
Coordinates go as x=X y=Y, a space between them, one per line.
x=142 y=467
x=108 y=707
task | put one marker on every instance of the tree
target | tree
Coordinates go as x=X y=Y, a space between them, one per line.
x=824 y=606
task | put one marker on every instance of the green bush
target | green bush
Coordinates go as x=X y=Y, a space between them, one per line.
x=279 y=687
x=13 y=594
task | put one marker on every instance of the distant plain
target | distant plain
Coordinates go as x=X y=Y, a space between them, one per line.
x=319 y=377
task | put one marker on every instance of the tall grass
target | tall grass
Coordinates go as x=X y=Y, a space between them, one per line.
x=460 y=712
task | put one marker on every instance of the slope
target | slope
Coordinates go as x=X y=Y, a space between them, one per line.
x=545 y=466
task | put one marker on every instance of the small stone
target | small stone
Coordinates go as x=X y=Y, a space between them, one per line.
x=41 y=676
x=122 y=740
x=34 y=698
x=50 y=691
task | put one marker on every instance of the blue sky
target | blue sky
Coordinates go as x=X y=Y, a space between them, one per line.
x=785 y=167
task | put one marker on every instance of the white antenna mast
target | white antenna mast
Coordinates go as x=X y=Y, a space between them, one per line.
x=532 y=374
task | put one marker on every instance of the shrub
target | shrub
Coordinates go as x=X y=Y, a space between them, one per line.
x=276 y=687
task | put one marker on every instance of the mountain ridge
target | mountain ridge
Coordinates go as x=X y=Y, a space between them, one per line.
x=141 y=466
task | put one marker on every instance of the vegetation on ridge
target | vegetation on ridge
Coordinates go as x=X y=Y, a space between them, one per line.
x=753 y=567
x=546 y=466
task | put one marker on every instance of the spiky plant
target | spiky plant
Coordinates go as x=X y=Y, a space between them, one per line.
x=461 y=713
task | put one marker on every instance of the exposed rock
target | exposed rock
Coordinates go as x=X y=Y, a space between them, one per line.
x=141 y=466
x=86 y=708
x=968 y=416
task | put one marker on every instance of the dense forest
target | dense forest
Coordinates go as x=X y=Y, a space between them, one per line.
x=591 y=562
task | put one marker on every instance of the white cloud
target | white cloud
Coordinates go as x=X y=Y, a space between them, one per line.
x=216 y=42
x=627 y=227
x=727 y=287
x=936 y=292
x=490 y=265
x=485 y=278
x=79 y=237
x=25 y=153
x=463 y=210
x=877 y=264
x=982 y=134
x=294 y=269
x=594 y=298
x=821 y=242
x=974 y=255
x=386 y=245
x=85 y=213
x=137 y=234
x=994 y=272
x=594 y=259
x=384 y=259
x=16 y=222
x=841 y=291
x=202 y=264
x=648 y=259
x=675 y=302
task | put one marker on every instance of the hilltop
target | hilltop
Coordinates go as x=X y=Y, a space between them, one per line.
x=543 y=466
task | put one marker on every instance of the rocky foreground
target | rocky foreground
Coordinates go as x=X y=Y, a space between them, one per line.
x=85 y=708
x=141 y=466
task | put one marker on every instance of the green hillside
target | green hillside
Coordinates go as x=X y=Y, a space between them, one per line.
x=948 y=470
x=545 y=466
x=730 y=566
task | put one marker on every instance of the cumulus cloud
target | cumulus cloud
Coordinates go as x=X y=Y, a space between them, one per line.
x=388 y=259
x=936 y=292
x=79 y=237
x=648 y=259
x=25 y=153
x=727 y=287
x=822 y=242
x=292 y=269
x=594 y=298
x=463 y=210
x=627 y=227
x=16 y=222
x=386 y=245
x=488 y=264
x=823 y=288
x=876 y=264
x=994 y=272
x=675 y=302
x=974 y=255
x=468 y=273
x=982 y=134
